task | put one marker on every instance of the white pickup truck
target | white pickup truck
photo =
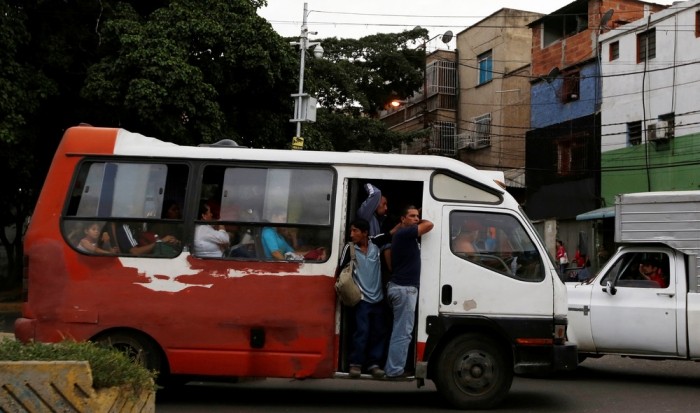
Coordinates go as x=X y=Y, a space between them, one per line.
x=619 y=311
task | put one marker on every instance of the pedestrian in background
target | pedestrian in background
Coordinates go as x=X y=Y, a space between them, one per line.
x=562 y=259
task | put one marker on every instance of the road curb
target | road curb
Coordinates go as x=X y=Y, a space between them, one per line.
x=65 y=386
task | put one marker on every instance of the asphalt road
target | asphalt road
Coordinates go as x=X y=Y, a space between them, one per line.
x=609 y=384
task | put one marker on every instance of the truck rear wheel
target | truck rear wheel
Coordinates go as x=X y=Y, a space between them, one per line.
x=473 y=372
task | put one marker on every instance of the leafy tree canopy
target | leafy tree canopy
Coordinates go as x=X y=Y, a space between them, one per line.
x=355 y=79
x=368 y=72
x=194 y=72
x=185 y=71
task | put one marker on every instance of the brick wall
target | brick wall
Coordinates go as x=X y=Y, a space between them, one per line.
x=580 y=47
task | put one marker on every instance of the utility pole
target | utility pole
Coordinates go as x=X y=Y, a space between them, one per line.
x=304 y=105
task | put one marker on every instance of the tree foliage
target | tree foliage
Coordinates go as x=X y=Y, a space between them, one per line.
x=370 y=71
x=185 y=71
x=23 y=87
x=194 y=72
x=356 y=79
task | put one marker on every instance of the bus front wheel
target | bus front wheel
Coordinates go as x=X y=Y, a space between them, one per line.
x=473 y=372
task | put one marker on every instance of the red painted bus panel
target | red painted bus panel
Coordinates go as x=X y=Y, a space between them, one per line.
x=205 y=326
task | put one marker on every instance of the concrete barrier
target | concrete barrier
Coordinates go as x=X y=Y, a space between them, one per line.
x=63 y=386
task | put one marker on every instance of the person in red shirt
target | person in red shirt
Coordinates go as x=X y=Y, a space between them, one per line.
x=649 y=270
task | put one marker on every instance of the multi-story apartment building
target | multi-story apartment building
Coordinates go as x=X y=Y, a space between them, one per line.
x=431 y=115
x=563 y=145
x=494 y=98
x=650 y=110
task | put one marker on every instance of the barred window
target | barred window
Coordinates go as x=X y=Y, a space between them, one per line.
x=483 y=131
x=646 y=45
x=443 y=139
x=634 y=133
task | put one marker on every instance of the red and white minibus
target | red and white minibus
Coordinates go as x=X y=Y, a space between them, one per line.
x=112 y=256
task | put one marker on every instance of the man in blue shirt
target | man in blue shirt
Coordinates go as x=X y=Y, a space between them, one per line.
x=402 y=290
x=370 y=333
x=373 y=209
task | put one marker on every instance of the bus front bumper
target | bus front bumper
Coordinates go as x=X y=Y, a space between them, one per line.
x=563 y=357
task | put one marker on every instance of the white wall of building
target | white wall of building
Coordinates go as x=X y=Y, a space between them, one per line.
x=670 y=83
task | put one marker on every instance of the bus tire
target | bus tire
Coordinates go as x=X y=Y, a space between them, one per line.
x=136 y=346
x=473 y=372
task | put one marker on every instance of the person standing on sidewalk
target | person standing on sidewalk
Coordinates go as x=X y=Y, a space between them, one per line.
x=402 y=289
x=369 y=338
x=562 y=259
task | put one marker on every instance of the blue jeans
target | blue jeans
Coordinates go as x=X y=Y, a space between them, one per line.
x=403 y=303
x=370 y=334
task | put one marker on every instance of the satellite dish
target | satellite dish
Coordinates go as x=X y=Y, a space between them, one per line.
x=606 y=18
x=553 y=74
x=447 y=37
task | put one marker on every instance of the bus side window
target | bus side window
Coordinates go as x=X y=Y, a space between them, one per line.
x=138 y=195
x=251 y=199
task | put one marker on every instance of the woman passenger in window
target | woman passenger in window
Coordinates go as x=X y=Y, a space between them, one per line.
x=210 y=240
x=276 y=246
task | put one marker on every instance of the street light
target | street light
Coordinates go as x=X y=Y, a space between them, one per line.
x=304 y=105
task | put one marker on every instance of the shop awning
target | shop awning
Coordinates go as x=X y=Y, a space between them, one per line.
x=600 y=213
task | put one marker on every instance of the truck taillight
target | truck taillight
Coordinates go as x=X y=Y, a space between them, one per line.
x=559 y=333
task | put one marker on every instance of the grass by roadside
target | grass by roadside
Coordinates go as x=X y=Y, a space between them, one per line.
x=110 y=367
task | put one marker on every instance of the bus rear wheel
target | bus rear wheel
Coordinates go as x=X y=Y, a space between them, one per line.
x=136 y=346
x=473 y=372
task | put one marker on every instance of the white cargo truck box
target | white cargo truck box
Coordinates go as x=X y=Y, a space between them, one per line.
x=668 y=217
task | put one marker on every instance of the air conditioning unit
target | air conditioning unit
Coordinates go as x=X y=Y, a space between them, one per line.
x=662 y=131
x=471 y=142
x=481 y=142
x=651 y=132
x=464 y=141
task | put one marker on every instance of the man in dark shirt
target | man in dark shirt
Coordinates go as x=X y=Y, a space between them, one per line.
x=402 y=290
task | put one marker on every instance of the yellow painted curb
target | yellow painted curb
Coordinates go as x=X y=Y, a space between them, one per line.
x=65 y=386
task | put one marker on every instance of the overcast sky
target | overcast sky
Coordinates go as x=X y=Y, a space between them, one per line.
x=358 y=18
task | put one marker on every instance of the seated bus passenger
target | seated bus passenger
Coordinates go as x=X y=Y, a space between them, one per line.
x=276 y=246
x=210 y=240
x=128 y=243
x=94 y=241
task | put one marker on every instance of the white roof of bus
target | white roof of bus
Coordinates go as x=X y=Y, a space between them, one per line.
x=135 y=144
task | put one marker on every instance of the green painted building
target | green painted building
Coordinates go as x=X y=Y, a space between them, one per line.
x=660 y=165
